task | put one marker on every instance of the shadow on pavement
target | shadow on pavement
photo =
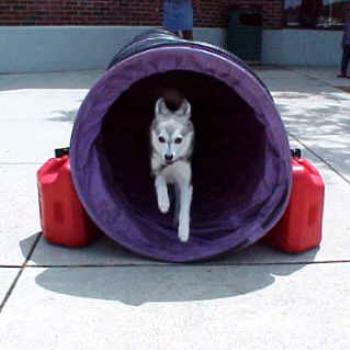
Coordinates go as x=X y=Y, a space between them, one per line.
x=64 y=116
x=323 y=127
x=148 y=282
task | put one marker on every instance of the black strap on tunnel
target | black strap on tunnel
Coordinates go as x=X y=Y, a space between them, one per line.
x=162 y=38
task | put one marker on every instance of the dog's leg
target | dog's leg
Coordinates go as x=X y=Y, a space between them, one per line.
x=177 y=204
x=162 y=194
x=186 y=190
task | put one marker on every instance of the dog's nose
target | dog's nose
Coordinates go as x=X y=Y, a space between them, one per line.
x=169 y=157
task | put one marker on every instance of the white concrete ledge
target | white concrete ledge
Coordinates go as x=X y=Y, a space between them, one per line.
x=301 y=47
x=63 y=48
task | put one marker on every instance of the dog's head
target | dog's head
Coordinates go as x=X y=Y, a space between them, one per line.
x=172 y=131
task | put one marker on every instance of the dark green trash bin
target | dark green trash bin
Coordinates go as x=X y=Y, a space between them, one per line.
x=244 y=34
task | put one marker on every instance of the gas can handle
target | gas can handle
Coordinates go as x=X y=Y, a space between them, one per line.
x=296 y=152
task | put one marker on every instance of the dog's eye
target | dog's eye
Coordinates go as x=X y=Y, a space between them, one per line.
x=178 y=140
x=161 y=139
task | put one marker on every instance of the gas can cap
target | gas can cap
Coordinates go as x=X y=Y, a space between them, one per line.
x=296 y=152
x=60 y=152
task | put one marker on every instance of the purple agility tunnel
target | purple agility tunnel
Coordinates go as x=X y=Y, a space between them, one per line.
x=241 y=162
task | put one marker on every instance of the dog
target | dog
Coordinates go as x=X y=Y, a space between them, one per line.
x=172 y=138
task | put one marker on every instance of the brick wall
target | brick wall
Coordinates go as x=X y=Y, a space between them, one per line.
x=124 y=12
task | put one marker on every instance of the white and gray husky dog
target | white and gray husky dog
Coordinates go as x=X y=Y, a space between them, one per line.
x=172 y=137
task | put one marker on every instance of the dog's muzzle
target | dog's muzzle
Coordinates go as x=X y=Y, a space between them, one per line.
x=169 y=158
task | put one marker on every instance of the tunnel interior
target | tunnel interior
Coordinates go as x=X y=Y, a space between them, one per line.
x=228 y=161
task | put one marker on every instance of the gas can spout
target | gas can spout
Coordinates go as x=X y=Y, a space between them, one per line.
x=60 y=152
x=296 y=152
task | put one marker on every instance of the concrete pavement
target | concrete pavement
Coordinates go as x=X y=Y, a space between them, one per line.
x=103 y=297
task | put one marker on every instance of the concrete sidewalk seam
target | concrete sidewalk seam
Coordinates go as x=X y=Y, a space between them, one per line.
x=15 y=281
x=330 y=166
x=20 y=163
x=311 y=77
x=174 y=265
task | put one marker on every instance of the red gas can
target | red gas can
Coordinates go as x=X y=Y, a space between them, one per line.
x=63 y=219
x=300 y=228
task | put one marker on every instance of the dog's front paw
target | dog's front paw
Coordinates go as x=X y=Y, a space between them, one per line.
x=184 y=233
x=163 y=204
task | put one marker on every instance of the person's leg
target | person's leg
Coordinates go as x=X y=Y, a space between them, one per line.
x=186 y=20
x=187 y=34
x=176 y=32
x=169 y=21
x=345 y=60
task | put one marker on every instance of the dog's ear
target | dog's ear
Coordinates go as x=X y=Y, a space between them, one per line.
x=161 y=109
x=185 y=109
